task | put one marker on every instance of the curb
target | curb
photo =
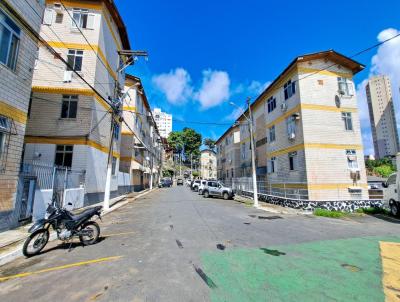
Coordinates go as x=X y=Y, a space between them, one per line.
x=17 y=250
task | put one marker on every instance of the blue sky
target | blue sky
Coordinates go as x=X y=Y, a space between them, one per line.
x=204 y=53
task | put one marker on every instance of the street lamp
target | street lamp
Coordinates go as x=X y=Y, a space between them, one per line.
x=253 y=154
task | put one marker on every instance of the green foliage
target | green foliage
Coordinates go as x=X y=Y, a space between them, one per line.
x=384 y=170
x=210 y=143
x=327 y=213
x=187 y=140
x=167 y=173
x=372 y=211
x=175 y=140
x=195 y=174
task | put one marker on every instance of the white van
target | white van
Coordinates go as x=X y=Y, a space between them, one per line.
x=391 y=193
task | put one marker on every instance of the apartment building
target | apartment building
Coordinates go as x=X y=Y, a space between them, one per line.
x=164 y=122
x=382 y=116
x=69 y=125
x=19 y=24
x=141 y=143
x=208 y=164
x=228 y=154
x=307 y=131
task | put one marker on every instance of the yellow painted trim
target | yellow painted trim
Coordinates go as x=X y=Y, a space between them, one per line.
x=13 y=113
x=129 y=108
x=289 y=186
x=390 y=255
x=97 y=49
x=327 y=108
x=325 y=72
x=284 y=116
x=77 y=4
x=128 y=133
x=57 y=268
x=126 y=158
x=64 y=90
x=321 y=186
x=68 y=141
x=312 y=146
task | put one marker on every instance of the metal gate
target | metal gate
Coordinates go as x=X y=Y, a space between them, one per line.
x=26 y=196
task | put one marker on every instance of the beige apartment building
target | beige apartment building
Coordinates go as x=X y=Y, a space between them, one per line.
x=141 y=142
x=382 y=116
x=208 y=164
x=228 y=154
x=19 y=27
x=307 y=131
x=69 y=125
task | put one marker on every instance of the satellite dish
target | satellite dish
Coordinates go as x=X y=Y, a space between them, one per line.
x=337 y=101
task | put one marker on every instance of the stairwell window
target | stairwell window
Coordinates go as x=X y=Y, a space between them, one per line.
x=75 y=59
x=293 y=162
x=271 y=104
x=272 y=136
x=5 y=128
x=82 y=19
x=64 y=156
x=272 y=165
x=289 y=89
x=348 y=121
x=9 y=41
x=69 y=106
x=345 y=86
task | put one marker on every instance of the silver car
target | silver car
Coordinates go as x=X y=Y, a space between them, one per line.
x=218 y=189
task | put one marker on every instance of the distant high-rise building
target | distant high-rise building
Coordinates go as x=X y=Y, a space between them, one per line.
x=382 y=116
x=163 y=121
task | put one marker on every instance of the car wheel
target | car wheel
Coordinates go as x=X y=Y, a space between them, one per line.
x=206 y=194
x=226 y=196
x=394 y=209
x=201 y=192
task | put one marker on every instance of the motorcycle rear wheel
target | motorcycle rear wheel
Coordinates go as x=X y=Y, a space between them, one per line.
x=94 y=228
x=39 y=240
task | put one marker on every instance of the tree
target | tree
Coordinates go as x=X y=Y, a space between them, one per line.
x=187 y=140
x=210 y=143
x=175 y=140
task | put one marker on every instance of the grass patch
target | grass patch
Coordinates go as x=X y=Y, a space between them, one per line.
x=372 y=211
x=330 y=214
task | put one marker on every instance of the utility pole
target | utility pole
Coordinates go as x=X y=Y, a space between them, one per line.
x=107 y=190
x=253 y=155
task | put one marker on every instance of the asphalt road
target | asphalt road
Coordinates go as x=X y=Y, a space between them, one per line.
x=173 y=245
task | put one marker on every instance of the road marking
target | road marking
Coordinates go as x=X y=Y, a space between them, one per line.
x=21 y=275
x=118 y=234
x=390 y=254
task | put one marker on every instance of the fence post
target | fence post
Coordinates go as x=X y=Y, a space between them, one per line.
x=284 y=189
x=53 y=179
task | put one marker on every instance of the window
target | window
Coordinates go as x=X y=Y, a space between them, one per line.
x=82 y=18
x=75 y=58
x=114 y=165
x=59 y=18
x=352 y=159
x=272 y=134
x=271 y=104
x=291 y=127
x=345 y=86
x=348 y=122
x=5 y=126
x=9 y=41
x=392 y=180
x=64 y=156
x=289 y=89
x=244 y=151
x=293 y=163
x=69 y=106
x=272 y=165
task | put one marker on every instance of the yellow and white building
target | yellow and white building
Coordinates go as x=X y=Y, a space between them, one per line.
x=19 y=27
x=208 y=164
x=307 y=131
x=69 y=125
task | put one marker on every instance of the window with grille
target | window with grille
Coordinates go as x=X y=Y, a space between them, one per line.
x=75 y=59
x=271 y=104
x=5 y=128
x=64 y=155
x=9 y=41
x=348 y=121
x=293 y=162
x=82 y=19
x=289 y=89
x=345 y=86
x=69 y=106
x=272 y=134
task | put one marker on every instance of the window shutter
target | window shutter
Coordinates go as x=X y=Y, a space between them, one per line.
x=90 y=21
x=48 y=16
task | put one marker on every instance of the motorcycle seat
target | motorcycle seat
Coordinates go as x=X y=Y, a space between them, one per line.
x=83 y=214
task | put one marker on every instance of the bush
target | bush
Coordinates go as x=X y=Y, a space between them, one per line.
x=384 y=170
x=372 y=211
x=327 y=213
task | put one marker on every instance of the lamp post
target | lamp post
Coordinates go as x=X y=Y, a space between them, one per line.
x=252 y=145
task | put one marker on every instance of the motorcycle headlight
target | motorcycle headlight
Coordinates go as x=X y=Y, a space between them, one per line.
x=47 y=215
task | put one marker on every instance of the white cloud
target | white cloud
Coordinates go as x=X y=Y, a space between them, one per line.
x=214 y=89
x=176 y=85
x=385 y=62
x=233 y=115
x=257 y=87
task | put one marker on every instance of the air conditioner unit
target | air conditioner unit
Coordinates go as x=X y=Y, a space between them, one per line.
x=284 y=106
x=58 y=8
x=67 y=76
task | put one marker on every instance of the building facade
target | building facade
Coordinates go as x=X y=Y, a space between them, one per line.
x=141 y=143
x=208 y=164
x=69 y=125
x=307 y=132
x=228 y=154
x=19 y=27
x=164 y=122
x=382 y=116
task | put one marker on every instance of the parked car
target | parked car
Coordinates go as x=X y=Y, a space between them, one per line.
x=189 y=182
x=165 y=183
x=179 y=182
x=391 y=194
x=218 y=189
x=195 y=185
x=202 y=185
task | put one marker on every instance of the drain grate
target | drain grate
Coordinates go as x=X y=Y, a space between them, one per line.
x=270 y=217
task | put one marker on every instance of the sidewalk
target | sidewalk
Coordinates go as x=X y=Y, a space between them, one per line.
x=11 y=241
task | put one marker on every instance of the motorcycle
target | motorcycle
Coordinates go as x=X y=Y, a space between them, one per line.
x=66 y=224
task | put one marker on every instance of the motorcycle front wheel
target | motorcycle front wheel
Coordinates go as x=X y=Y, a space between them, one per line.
x=35 y=243
x=91 y=232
